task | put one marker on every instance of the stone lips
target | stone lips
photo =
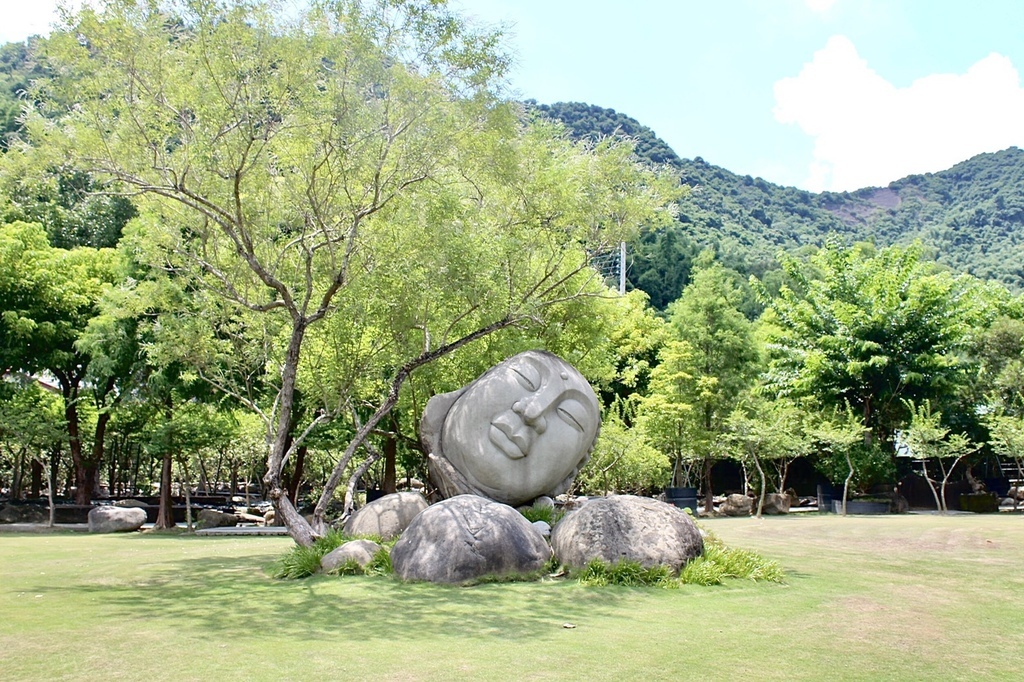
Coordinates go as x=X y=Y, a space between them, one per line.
x=626 y=527
x=465 y=538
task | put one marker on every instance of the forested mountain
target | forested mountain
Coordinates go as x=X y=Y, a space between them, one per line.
x=972 y=215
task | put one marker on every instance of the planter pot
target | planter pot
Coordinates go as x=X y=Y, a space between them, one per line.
x=860 y=507
x=979 y=503
x=682 y=498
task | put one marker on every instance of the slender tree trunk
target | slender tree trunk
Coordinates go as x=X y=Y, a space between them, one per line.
x=931 y=485
x=83 y=488
x=846 y=483
x=709 y=494
x=296 y=481
x=390 y=484
x=37 y=478
x=165 y=515
x=764 y=486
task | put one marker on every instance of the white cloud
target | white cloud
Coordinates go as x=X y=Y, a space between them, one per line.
x=868 y=132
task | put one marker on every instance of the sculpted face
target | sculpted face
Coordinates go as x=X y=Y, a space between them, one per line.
x=522 y=428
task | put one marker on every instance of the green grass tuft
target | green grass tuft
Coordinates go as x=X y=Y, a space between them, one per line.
x=549 y=515
x=302 y=562
x=380 y=564
x=625 y=574
x=720 y=562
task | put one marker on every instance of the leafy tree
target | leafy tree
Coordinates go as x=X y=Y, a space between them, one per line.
x=286 y=163
x=927 y=439
x=767 y=432
x=49 y=296
x=723 y=359
x=842 y=456
x=870 y=332
x=623 y=460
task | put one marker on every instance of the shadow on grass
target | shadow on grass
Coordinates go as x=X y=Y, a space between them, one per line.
x=235 y=594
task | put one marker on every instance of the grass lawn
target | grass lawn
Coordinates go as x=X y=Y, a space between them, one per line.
x=868 y=598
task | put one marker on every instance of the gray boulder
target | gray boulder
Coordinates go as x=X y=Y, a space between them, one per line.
x=212 y=518
x=360 y=551
x=737 y=505
x=465 y=538
x=110 y=519
x=131 y=503
x=24 y=513
x=775 y=504
x=626 y=527
x=387 y=516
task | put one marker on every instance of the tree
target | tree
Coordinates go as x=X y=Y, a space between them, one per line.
x=293 y=167
x=48 y=298
x=927 y=439
x=871 y=331
x=839 y=438
x=623 y=460
x=767 y=432
x=724 y=356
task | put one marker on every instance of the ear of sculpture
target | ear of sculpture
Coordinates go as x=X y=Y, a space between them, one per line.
x=433 y=419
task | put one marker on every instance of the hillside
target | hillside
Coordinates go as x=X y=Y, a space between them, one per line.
x=971 y=214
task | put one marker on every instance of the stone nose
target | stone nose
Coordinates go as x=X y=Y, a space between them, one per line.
x=532 y=412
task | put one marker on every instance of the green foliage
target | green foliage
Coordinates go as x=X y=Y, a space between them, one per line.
x=303 y=561
x=624 y=459
x=719 y=563
x=625 y=573
x=871 y=330
x=548 y=515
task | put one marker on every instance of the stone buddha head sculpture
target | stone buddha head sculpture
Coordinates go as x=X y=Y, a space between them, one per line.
x=524 y=428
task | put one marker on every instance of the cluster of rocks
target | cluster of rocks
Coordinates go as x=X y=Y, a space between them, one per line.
x=466 y=538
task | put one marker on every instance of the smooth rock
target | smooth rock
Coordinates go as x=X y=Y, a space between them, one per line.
x=386 y=516
x=212 y=518
x=360 y=551
x=110 y=519
x=544 y=527
x=130 y=503
x=737 y=505
x=776 y=504
x=270 y=518
x=627 y=527
x=544 y=502
x=465 y=538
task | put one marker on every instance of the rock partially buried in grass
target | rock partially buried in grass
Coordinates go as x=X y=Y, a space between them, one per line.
x=387 y=516
x=116 y=519
x=626 y=527
x=359 y=551
x=466 y=538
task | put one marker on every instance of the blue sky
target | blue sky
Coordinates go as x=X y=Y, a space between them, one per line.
x=821 y=94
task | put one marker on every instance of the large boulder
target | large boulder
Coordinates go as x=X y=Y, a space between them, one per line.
x=626 y=527
x=465 y=538
x=737 y=505
x=24 y=513
x=359 y=551
x=212 y=518
x=111 y=519
x=776 y=503
x=386 y=516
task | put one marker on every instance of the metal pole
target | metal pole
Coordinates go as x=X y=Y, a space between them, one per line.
x=622 y=268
